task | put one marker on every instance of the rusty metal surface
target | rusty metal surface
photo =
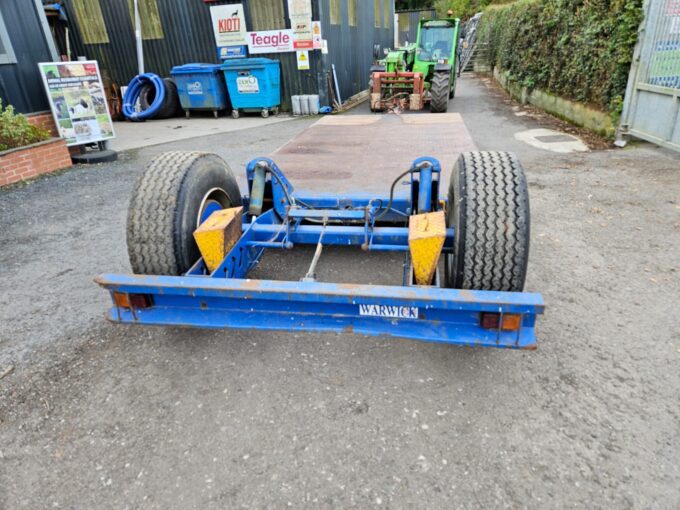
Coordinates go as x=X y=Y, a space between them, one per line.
x=366 y=152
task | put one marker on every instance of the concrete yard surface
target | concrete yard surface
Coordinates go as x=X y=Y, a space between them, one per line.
x=94 y=415
x=135 y=135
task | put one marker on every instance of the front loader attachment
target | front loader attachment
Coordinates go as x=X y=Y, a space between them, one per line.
x=400 y=89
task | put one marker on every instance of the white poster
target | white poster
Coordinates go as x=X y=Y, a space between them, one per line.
x=270 y=41
x=78 y=101
x=300 y=12
x=229 y=25
x=303 y=60
x=300 y=8
x=316 y=35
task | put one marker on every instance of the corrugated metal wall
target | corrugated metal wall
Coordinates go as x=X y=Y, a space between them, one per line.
x=20 y=83
x=351 y=47
x=408 y=23
x=187 y=37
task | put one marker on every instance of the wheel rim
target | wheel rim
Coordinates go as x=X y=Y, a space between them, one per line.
x=214 y=200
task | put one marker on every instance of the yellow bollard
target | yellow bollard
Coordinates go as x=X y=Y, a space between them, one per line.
x=426 y=236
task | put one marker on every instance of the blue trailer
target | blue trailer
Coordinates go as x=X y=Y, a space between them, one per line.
x=193 y=239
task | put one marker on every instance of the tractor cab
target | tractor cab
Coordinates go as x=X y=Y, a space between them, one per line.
x=436 y=41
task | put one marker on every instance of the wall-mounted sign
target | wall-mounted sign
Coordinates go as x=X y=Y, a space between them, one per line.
x=77 y=100
x=303 y=60
x=227 y=52
x=229 y=26
x=300 y=13
x=270 y=41
x=316 y=35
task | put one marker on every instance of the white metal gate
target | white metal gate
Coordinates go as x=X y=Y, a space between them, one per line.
x=651 y=109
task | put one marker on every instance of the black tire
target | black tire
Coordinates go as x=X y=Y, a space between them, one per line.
x=489 y=211
x=165 y=206
x=147 y=93
x=452 y=94
x=170 y=106
x=439 y=92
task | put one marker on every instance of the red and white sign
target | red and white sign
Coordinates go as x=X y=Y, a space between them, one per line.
x=229 y=25
x=270 y=41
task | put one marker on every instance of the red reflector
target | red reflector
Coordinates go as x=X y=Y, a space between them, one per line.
x=490 y=320
x=125 y=300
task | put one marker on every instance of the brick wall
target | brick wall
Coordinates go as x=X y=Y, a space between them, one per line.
x=44 y=120
x=31 y=161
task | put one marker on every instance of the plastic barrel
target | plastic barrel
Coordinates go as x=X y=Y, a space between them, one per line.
x=304 y=104
x=314 y=104
x=297 y=107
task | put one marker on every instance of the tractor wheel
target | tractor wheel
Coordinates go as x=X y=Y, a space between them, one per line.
x=489 y=210
x=175 y=193
x=439 y=92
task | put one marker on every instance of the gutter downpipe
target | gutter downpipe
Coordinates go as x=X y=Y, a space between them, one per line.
x=138 y=37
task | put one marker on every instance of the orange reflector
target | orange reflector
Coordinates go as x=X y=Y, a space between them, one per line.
x=492 y=320
x=511 y=322
x=125 y=300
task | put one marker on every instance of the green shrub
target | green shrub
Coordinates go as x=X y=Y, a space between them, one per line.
x=15 y=130
x=577 y=49
x=464 y=9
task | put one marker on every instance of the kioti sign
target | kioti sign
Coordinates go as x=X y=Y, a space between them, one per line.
x=270 y=41
x=229 y=25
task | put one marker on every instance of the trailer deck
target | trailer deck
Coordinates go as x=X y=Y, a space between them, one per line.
x=338 y=154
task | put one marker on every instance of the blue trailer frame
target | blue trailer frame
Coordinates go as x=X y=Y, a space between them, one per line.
x=280 y=219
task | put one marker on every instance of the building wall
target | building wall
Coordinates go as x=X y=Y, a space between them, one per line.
x=351 y=47
x=181 y=32
x=408 y=23
x=20 y=82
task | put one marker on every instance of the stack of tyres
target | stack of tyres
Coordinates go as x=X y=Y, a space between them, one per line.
x=170 y=106
x=201 y=88
x=254 y=85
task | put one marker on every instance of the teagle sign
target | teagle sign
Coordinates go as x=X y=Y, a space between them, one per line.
x=270 y=41
x=229 y=25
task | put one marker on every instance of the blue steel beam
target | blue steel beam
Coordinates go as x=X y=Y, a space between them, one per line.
x=421 y=313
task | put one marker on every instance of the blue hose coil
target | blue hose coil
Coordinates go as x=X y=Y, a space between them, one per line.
x=132 y=94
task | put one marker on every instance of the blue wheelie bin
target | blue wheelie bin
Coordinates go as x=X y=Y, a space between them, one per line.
x=254 y=85
x=201 y=87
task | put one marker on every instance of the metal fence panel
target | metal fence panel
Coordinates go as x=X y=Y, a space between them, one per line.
x=652 y=105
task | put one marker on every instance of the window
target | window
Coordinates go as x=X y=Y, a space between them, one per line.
x=376 y=12
x=6 y=51
x=151 y=20
x=352 y=9
x=387 y=14
x=90 y=21
x=336 y=16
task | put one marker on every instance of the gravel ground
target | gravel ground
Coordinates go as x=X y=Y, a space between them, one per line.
x=102 y=416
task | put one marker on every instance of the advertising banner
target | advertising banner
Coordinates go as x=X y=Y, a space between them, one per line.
x=229 y=26
x=77 y=100
x=270 y=41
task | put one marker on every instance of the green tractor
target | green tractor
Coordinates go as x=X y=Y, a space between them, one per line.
x=417 y=74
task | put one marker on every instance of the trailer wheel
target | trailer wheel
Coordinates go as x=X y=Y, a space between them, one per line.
x=174 y=194
x=439 y=92
x=489 y=211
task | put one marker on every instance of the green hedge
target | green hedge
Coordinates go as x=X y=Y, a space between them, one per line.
x=579 y=50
